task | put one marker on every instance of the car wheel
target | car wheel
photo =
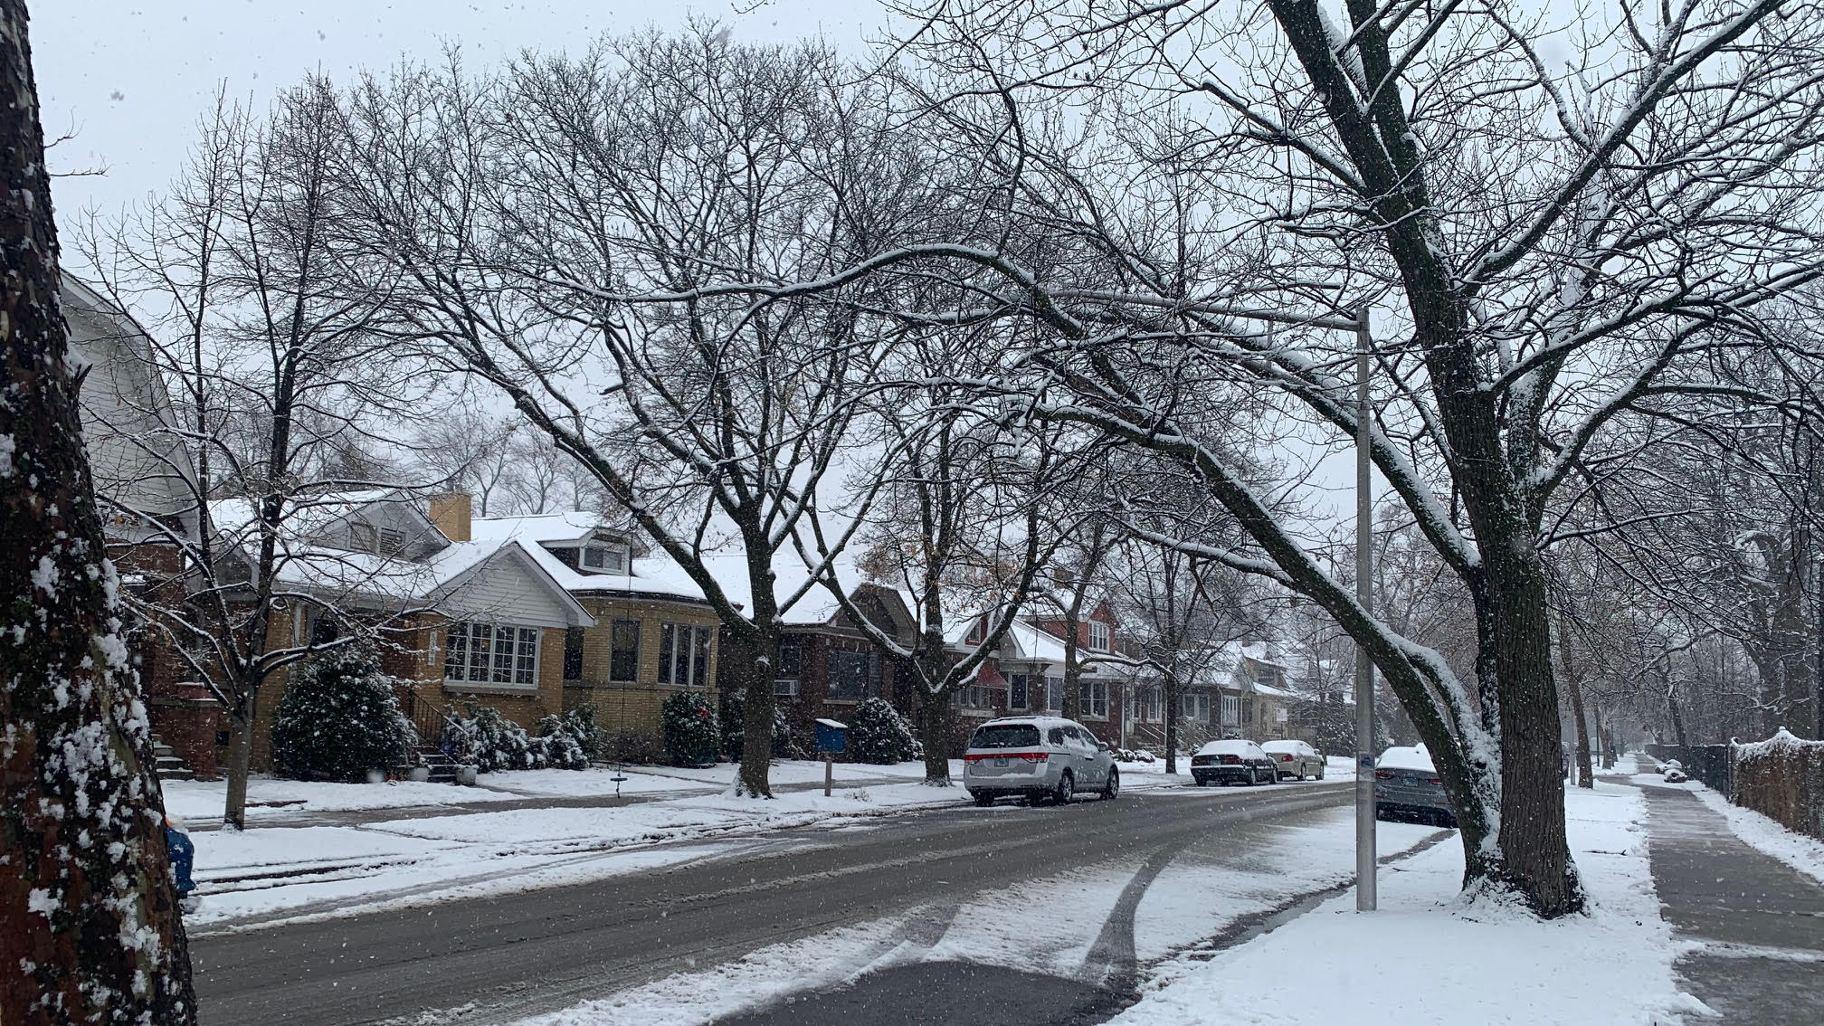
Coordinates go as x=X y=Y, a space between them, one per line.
x=1111 y=788
x=1320 y=773
x=1201 y=781
x=982 y=800
x=1067 y=786
x=1303 y=770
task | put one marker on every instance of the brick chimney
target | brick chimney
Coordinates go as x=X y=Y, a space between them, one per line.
x=451 y=513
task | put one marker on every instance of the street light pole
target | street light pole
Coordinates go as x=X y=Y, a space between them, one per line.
x=1365 y=897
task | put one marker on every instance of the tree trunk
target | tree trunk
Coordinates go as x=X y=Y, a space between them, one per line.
x=1586 y=777
x=240 y=757
x=89 y=924
x=1171 y=723
x=934 y=734
x=756 y=682
x=1535 y=857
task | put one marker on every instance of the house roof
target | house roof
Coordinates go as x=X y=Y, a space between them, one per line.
x=653 y=573
x=344 y=576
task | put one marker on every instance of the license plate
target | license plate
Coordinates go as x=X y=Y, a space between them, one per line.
x=1000 y=762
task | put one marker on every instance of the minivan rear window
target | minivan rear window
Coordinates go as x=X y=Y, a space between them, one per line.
x=1005 y=735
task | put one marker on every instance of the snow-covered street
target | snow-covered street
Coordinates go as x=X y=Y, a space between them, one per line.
x=324 y=849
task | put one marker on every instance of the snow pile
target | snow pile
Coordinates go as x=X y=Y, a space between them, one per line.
x=1429 y=956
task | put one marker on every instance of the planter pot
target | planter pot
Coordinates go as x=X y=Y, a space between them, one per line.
x=465 y=775
x=419 y=774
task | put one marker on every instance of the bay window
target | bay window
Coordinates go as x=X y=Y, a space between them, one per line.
x=488 y=653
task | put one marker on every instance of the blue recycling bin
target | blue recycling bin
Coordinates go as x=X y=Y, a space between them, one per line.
x=832 y=737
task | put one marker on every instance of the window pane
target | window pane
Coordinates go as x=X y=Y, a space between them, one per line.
x=1016 y=686
x=573 y=654
x=624 y=660
x=525 y=669
x=699 y=663
x=668 y=643
x=456 y=652
x=791 y=658
x=503 y=655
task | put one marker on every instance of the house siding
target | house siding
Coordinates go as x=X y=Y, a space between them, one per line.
x=629 y=711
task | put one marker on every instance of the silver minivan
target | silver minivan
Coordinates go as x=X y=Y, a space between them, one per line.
x=1039 y=758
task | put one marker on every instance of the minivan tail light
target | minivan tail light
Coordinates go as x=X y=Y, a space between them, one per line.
x=1035 y=756
x=1434 y=780
x=1382 y=775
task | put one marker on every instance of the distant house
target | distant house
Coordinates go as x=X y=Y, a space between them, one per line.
x=651 y=632
x=465 y=619
x=1026 y=673
x=827 y=663
x=148 y=493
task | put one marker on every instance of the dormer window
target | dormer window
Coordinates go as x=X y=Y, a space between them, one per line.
x=1098 y=636
x=604 y=558
x=363 y=537
x=385 y=541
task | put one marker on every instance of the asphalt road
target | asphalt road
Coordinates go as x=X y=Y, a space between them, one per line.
x=496 y=958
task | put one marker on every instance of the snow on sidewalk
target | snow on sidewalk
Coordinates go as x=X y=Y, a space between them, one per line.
x=1429 y=956
x=1763 y=833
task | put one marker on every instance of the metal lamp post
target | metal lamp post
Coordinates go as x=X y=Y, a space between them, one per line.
x=1365 y=897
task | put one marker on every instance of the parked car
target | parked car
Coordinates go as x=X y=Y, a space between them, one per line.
x=1407 y=786
x=1675 y=776
x=1296 y=759
x=1236 y=760
x=1038 y=758
x=182 y=852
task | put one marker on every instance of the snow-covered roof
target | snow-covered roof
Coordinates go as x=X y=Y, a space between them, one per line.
x=653 y=573
x=348 y=577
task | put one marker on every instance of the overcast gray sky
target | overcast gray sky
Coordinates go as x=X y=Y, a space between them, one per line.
x=130 y=77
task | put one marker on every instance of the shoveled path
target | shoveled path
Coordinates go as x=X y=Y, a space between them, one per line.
x=1760 y=923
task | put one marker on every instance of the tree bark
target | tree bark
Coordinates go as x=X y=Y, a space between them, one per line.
x=1586 y=776
x=241 y=726
x=1171 y=723
x=756 y=681
x=89 y=924
x=934 y=734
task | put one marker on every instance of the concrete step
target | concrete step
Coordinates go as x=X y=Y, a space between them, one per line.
x=167 y=764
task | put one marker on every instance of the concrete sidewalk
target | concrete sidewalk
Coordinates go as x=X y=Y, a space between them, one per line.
x=1758 y=924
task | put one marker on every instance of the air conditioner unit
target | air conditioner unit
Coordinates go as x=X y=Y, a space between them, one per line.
x=785 y=687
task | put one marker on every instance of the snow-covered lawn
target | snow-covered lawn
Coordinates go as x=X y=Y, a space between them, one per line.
x=334 y=870
x=202 y=801
x=273 y=799
x=1430 y=956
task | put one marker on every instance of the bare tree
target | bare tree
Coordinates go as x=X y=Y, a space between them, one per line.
x=964 y=523
x=89 y=923
x=1288 y=168
x=566 y=232
x=281 y=391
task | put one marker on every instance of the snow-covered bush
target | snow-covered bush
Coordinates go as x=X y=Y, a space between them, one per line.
x=880 y=735
x=580 y=722
x=689 y=726
x=734 y=729
x=489 y=741
x=340 y=720
x=558 y=744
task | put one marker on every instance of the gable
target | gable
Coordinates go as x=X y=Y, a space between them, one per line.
x=506 y=590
